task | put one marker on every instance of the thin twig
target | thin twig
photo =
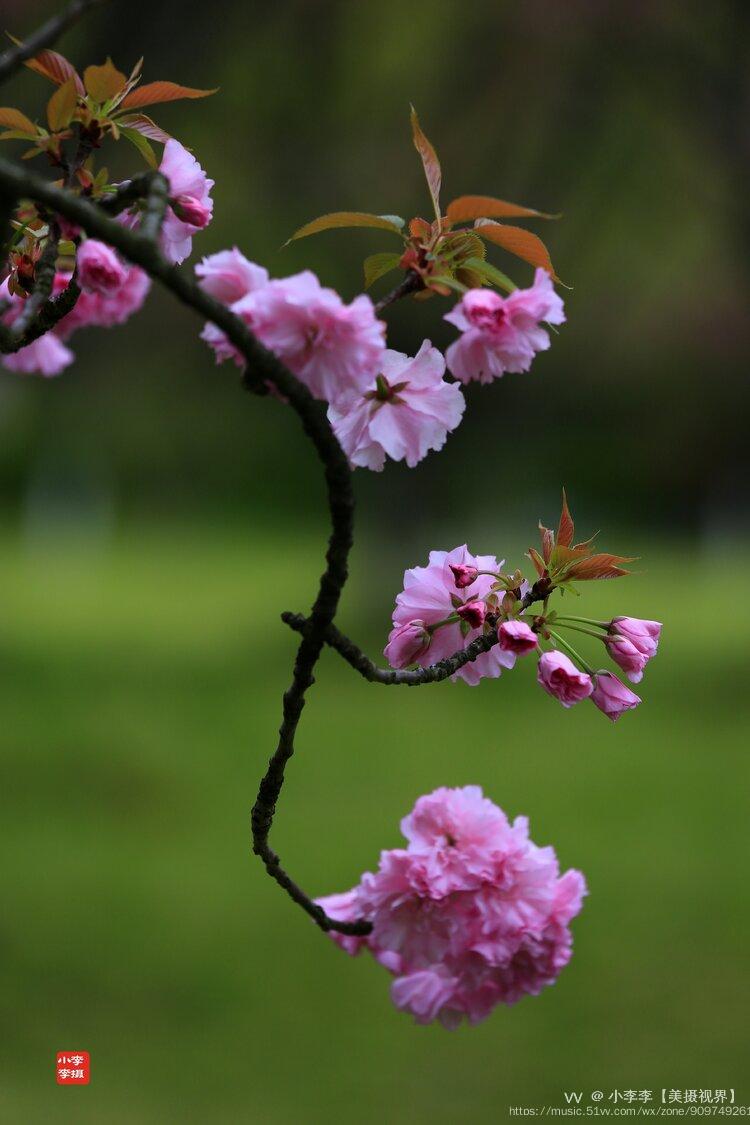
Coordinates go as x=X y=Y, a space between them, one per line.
x=14 y=58
x=432 y=674
x=412 y=283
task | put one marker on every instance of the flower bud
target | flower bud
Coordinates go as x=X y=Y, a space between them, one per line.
x=627 y=656
x=473 y=613
x=612 y=697
x=190 y=210
x=406 y=643
x=559 y=676
x=99 y=268
x=643 y=635
x=464 y=575
x=517 y=637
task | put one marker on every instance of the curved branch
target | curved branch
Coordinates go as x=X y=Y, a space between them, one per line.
x=142 y=251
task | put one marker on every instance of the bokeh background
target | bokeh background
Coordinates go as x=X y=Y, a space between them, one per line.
x=154 y=521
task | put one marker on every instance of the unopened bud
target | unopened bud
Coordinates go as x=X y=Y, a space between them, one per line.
x=191 y=210
x=464 y=575
x=473 y=613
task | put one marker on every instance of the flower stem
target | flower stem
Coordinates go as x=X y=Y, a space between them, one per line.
x=578 y=629
x=585 y=620
x=576 y=655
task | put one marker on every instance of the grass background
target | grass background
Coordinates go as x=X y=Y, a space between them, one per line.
x=140 y=682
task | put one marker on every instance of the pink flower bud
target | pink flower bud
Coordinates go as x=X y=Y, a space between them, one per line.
x=627 y=656
x=612 y=697
x=473 y=613
x=464 y=575
x=516 y=636
x=643 y=635
x=99 y=269
x=406 y=643
x=190 y=210
x=560 y=678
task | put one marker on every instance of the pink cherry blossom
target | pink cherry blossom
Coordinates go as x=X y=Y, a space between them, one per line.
x=100 y=270
x=228 y=275
x=103 y=311
x=191 y=206
x=46 y=355
x=406 y=643
x=469 y=915
x=559 y=676
x=611 y=696
x=432 y=594
x=632 y=643
x=517 y=637
x=502 y=334
x=328 y=345
x=403 y=413
x=473 y=613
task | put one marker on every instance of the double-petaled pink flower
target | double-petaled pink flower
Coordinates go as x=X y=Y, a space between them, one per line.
x=190 y=204
x=631 y=643
x=100 y=269
x=469 y=915
x=432 y=595
x=403 y=412
x=228 y=275
x=330 y=346
x=46 y=355
x=500 y=334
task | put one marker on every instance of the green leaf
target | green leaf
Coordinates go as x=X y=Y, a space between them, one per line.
x=489 y=273
x=430 y=162
x=337 y=219
x=62 y=105
x=377 y=265
x=143 y=146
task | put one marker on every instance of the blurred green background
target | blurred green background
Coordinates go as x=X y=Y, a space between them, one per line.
x=154 y=521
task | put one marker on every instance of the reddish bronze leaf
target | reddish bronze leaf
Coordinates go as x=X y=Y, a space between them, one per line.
x=548 y=542
x=52 y=65
x=538 y=562
x=518 y=241
x=598 y=566
x=566 y=527
x=62 y=106
x=14 y=119
x=469 y=207
x=430 y=162
x=348 y=219
x=103 y=82
x=155 y=92
x=145 y=126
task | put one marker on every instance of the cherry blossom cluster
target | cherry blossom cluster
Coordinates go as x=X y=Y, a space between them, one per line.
x=459 y=597
x=111 y=289
x=469 y=915
x=381 y=403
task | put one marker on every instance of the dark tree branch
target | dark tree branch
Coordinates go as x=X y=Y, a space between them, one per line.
x=14 y=58
x=48 y=316
x=412 y=283
x=142 y=251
